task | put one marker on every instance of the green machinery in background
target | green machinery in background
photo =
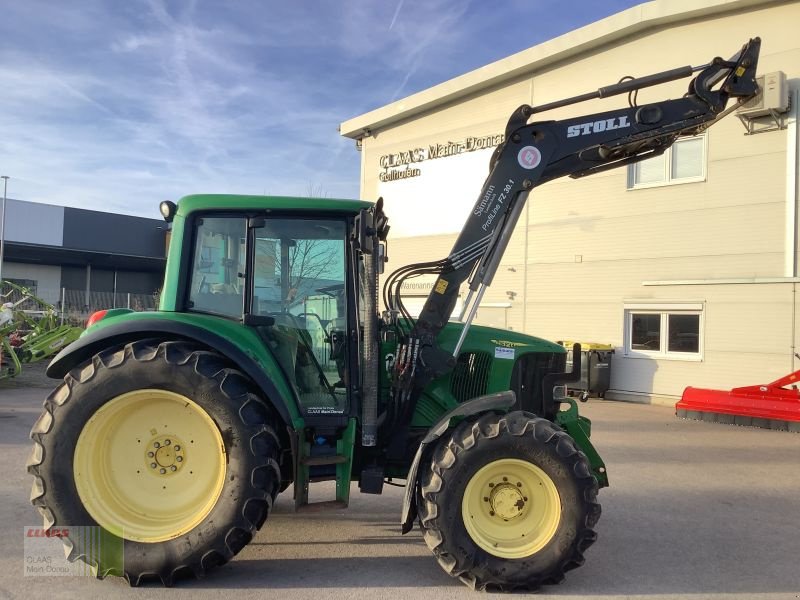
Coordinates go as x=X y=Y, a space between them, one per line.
x=30 y=329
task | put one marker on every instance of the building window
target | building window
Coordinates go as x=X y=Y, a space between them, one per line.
x=683 y=162
x=672 y=331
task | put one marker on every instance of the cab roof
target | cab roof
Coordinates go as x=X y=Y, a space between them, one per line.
x=203 y=202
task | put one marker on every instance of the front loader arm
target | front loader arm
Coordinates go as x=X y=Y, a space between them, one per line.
x=535 y=153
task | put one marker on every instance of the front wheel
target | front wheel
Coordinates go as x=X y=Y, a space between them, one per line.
x=166 y=450
x=509 y=503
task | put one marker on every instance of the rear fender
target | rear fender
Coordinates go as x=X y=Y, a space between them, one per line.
x=239 y=344
x=481 y=404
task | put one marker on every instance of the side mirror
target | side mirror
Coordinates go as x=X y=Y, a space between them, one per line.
x=381 y=258
x=364 y=232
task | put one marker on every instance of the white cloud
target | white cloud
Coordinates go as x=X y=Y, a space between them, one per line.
x=116 y=106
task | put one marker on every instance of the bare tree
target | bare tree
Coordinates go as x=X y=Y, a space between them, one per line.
x=309 y=260
x=315 y=190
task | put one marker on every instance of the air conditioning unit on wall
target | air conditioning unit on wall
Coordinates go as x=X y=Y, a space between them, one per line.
x=773 y=97
x=768 y=110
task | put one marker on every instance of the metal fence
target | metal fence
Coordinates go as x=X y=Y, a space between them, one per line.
x=76 y=300
x=75 y=306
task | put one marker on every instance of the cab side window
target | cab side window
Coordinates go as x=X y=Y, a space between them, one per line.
x=218 y=266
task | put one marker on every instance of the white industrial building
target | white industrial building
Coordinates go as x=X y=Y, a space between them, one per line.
x=686 y=264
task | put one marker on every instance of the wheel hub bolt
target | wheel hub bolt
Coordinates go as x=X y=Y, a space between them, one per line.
x=165 y=455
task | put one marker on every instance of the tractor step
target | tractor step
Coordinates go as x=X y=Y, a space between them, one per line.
x=310 y=462
x=329 y=459
x=313 y=507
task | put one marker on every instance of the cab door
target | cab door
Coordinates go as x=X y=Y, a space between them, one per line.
x=299 y=278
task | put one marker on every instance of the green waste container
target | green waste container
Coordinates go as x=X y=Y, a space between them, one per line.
x=595 y=368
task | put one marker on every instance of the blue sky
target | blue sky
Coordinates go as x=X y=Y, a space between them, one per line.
x=118 y=105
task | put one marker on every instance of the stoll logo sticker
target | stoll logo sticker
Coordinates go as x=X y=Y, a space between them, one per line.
x=529 y=157
x=44 y=554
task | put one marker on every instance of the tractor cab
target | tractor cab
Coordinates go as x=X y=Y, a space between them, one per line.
x=286 y=274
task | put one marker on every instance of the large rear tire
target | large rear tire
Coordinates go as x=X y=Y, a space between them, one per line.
x=164 y=447
x=509 y=503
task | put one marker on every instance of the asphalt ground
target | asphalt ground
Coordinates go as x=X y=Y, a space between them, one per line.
x=695 y=510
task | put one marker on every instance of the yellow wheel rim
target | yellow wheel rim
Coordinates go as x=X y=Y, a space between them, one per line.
x=511 y=508
x=149 y=465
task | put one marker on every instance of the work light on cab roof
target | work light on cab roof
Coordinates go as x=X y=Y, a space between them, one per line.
x=167 y=209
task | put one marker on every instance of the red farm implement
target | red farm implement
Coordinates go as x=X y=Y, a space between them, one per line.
x=773 y=405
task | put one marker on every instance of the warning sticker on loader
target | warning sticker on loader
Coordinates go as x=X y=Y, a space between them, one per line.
x=507 y=353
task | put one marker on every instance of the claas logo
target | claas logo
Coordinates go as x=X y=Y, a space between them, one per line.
x=52 y=532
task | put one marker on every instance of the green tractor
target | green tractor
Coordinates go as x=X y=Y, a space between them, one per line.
x=270 y=364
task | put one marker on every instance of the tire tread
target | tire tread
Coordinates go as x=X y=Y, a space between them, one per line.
x=235 y=390
x=468 y=435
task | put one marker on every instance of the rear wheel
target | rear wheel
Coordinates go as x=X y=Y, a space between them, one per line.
x=509 y=503
x=166 y=449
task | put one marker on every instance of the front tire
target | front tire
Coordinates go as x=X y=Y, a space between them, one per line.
x=509 y=503
x=164 y=447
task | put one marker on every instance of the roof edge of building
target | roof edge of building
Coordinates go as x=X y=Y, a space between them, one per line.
x=65 y=207
x=642 y=17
